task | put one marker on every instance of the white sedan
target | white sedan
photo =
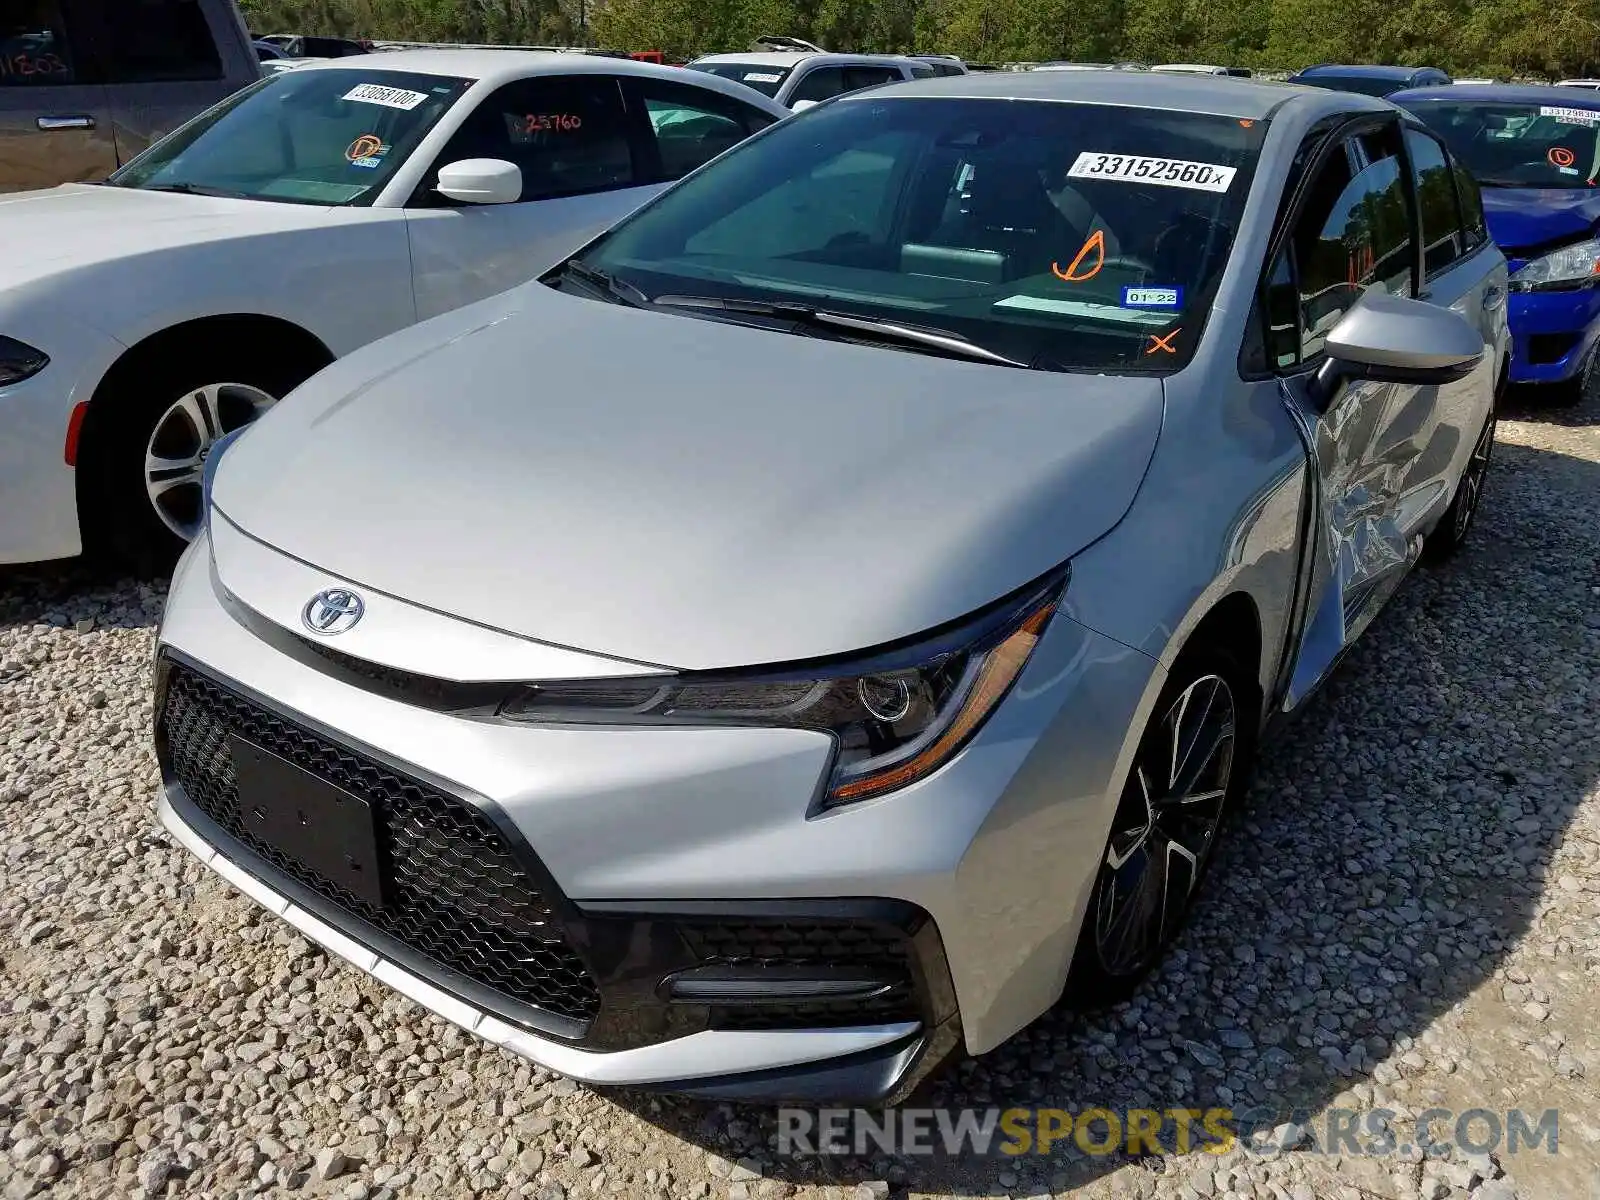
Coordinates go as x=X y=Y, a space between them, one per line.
x=301 y=218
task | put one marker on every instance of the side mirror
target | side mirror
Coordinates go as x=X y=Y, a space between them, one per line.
x=1391 y=339
x=481 y=181
x=802 y=105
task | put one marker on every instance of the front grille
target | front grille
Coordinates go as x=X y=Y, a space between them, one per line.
x=883 y=949
x=458 y=894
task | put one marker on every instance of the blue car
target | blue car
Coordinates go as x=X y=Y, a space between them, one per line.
x=1534 y=152
x=1369 y=79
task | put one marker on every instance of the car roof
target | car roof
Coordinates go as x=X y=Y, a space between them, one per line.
x=784 y=58
x=495 y=65
x=1514 y=93
x=1218 y=95
x=1363 y=71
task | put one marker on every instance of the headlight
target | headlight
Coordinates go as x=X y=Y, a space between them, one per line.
x=19 y=361
x=895 y=716
x=1565 y=269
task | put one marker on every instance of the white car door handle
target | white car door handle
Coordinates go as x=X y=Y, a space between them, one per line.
x=51 y=124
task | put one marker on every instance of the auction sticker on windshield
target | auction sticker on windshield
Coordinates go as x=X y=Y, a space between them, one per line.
x=1570 y=116
x=761 y=77
x=389 y=97
x=1166 y=172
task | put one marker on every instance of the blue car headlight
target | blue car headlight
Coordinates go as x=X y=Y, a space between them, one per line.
x=1566 y=269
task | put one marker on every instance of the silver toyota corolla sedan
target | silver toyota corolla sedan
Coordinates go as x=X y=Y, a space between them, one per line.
x=828 y=620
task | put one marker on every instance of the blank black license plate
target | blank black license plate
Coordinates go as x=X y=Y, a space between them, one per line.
x=324 y=828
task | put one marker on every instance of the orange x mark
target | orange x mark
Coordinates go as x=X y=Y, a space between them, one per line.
x=1164 y=341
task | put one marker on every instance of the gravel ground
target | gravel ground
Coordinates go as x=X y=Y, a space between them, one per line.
x=1405 y=916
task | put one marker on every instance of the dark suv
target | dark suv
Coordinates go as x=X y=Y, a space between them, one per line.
x=87 y=84
x=1370 y=80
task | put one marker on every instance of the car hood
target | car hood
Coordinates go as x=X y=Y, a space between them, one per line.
x=679 y=491
x=1521 y=218
x=82 y=225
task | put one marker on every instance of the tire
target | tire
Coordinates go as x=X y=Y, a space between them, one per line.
x=137 y=513
x=1447 y=538
x=1158 y=840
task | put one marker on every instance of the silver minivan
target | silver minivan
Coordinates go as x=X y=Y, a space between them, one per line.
x=87 y=84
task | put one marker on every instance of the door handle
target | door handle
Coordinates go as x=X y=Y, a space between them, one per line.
x=51 y=124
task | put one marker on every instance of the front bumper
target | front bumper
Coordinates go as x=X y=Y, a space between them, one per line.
x=947 y=911
x=38 y=490
x=1552 y=334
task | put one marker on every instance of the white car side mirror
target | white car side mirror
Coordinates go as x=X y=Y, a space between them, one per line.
x=481 y=181
x=802 y=105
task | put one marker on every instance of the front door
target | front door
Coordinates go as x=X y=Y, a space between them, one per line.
x=570 y=135
x=1380 y=453
x=55 y=125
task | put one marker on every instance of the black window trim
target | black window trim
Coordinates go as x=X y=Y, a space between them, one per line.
x=640 y=151
x=1334 y=140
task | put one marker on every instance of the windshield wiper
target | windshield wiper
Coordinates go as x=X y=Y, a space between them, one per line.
x=943 y=341
x=608 y=284
x=194 y=189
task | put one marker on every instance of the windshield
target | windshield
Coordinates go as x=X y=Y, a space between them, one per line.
x=1519 y=145
x=764 y=77
x=1065 y=236
x=1363 y=84
x=305 y=137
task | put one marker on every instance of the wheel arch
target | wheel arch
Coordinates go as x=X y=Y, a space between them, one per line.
x=1231 y=623
x=254 y=334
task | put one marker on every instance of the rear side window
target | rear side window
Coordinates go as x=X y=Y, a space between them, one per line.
x=1442 y=243
x=153 y=40
x=693 y=125
x=33 y=45
x=569 y=134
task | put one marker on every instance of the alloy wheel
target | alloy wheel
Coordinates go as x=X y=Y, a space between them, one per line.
x=1165 y=826
x=175 y=456
x=1472 y=481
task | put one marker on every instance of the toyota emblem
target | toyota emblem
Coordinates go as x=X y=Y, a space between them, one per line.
x=332 y=611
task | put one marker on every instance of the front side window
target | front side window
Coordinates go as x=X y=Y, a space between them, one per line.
x=153 y=40
x=693 y=125
x=1353 y=233
x=568 y=134
x=821 y=84
x=764 y=77
x=1063 y=236
x=310 y=136
x=1442 y=241
x=33 y=45
x=1520 y=145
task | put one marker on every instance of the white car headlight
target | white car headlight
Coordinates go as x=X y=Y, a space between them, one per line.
x=1568 y=268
